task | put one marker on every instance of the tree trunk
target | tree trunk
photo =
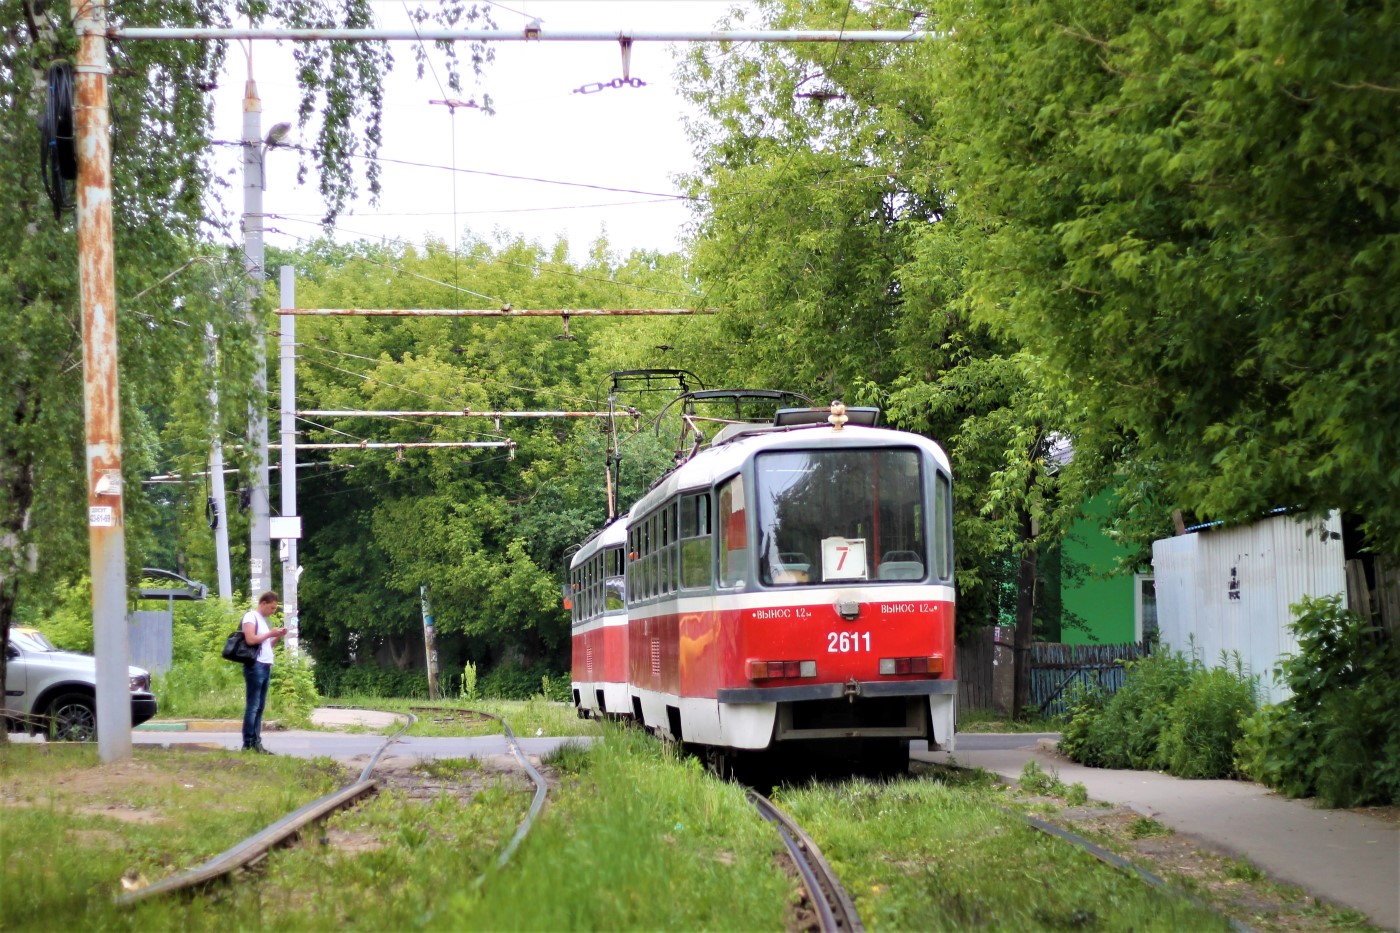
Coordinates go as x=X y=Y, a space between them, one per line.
x=17 y=493
x=1025 y=612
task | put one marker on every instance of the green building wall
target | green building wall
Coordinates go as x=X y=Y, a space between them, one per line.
x=1103 y=603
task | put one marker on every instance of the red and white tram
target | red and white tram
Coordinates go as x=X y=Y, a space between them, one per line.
x=791 y=586
x=599 y=616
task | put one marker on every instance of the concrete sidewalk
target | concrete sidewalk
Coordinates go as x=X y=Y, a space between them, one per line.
x=1337 y=855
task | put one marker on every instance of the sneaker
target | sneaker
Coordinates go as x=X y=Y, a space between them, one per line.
x=260 y=750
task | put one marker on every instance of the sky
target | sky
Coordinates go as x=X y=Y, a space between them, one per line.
x=624 y=138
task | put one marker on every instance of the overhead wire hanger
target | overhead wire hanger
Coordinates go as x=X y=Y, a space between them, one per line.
x=625 y=81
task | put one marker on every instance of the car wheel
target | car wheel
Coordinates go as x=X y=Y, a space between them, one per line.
x=73 y=718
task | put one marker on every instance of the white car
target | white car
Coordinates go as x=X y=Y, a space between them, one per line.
x=56 y=691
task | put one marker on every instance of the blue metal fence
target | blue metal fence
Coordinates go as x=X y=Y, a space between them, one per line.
x=1056 y=668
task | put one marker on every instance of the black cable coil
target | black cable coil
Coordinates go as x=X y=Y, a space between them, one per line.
x=58 y=157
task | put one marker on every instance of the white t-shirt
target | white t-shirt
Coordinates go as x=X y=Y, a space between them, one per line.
x=261 y=627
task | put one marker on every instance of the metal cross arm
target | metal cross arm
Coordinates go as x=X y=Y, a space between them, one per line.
x=524 y=35
x=488 y=312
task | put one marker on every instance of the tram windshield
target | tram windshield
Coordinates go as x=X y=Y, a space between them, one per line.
x=833 y=515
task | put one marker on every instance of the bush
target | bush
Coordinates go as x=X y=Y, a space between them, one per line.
x=371 y=680
x=200 y=683
x=1126 y=730
x=1171 y=713
x=1084 y=704
x=292 y=694
x=511 y=681
x=1206 y=722
x=1336 y=737
x=69 y=624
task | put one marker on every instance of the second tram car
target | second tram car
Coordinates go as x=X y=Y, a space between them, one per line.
x=791 y=586
x=599 y=617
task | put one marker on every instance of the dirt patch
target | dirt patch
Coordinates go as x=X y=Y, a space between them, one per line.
x=1385 y=814
x=420 y=780
x=350 y=843
x=1192 y=865
x=123 y=814
x=97 y=838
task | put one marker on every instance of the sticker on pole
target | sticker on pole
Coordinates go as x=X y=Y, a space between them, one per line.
x=101 y=516
x=843 y=559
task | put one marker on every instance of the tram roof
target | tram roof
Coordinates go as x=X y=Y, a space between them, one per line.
x=613 y=534
x=728 y=454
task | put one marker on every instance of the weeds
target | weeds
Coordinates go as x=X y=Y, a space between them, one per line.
x=1145 y=827
x=1035 y=780
x=956 y=850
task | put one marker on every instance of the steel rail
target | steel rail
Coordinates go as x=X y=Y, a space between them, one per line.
x=1122 y=864
x=258 y=845
x=541 y=786
x=834 y=907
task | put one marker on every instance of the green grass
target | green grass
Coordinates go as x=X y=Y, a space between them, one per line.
x=73 y=828
x=986 y=720
x=638 y=839
x=919 y=855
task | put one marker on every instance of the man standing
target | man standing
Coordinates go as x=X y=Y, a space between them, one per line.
x=258 y=675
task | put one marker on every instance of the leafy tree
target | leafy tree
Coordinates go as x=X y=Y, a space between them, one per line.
x=1189 y=212
x=831 y=240
x=167 y=278
x=487 y=529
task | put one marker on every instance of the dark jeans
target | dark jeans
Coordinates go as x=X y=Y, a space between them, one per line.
x=256 y=677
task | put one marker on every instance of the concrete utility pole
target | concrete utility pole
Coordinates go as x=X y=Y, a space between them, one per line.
x=101 y=395
x=291 y=570
x=259 y=538
x=216 y=476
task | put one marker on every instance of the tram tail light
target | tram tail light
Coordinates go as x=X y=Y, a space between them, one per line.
x=772 y=670
x=923 y=665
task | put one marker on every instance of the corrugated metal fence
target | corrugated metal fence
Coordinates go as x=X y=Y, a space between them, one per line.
x=1055 y=668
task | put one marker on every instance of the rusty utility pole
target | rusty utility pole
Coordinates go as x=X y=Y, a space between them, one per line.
x=101 y=397
x=430 y=644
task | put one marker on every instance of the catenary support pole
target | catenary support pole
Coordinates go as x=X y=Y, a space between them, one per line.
x=101 y=395
x=291 y=571
x=219 y=503
x=259 y=539
x=430 y=643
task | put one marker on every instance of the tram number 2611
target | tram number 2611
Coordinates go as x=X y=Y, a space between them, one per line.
x=847 y=642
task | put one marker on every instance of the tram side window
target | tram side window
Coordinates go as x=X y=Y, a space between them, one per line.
x=643 y=568
x=588 y=595
x=733 y=533
x=654 y=555
x=695 y=541
x=595 y=608
x=664 y=542
x=943 y=527
x=634 y=591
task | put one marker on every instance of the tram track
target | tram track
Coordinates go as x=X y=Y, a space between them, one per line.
x=834 y=909
x=286 y=830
